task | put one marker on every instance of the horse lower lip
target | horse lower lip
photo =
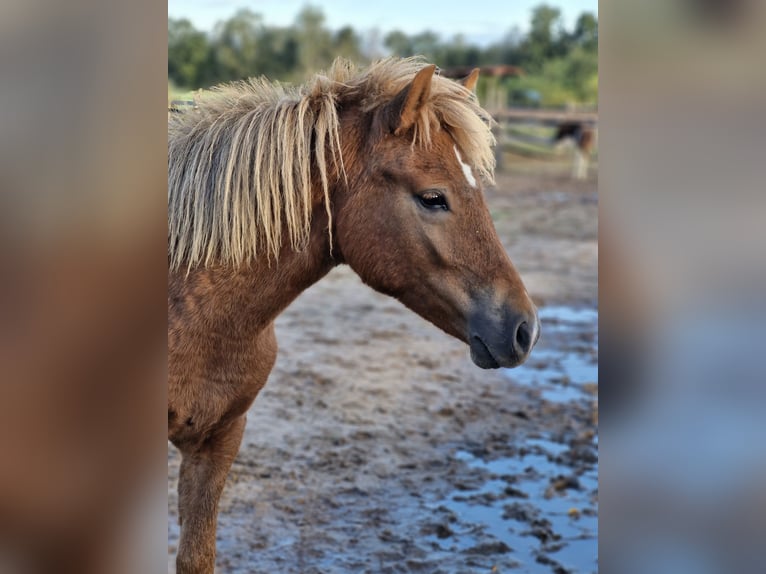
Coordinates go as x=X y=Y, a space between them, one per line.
x=486 y=352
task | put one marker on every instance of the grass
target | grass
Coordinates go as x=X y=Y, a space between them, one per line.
x=175 y=93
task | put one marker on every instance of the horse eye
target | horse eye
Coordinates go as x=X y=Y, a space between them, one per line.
x=433 y=200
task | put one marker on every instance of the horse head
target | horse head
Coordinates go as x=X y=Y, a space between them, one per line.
x=413 y=222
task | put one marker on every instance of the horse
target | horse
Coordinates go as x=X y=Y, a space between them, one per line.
x=269 y=187
x=583 y=137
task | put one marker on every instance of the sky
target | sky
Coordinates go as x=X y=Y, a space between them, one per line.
x=480 y=21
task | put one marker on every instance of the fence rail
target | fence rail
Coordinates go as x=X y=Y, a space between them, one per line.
x=546 y=116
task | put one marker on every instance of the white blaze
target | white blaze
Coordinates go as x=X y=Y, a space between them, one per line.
x=466 y=168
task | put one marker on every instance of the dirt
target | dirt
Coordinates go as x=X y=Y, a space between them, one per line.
x=377 y=446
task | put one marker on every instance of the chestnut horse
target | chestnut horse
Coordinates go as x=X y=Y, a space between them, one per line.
x=268 y=189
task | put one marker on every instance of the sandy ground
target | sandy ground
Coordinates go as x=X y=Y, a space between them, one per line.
x=377 y=446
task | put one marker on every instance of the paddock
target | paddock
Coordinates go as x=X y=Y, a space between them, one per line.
x=377 y=445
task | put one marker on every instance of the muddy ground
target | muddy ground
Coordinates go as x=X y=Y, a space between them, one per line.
x=377 y=446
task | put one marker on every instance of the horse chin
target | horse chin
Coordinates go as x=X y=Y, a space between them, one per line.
x=485 y=359
x=481 y=355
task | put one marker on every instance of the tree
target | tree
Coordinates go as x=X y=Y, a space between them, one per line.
x=188 y=50
x=277 y=52
x=347 y=44
x=399 y=44
x=236 y=47
x=459 y=53
x=545 y=40
x=427 y=44
x=561 y=65
x=314 y=40
x=585 y=33
x=579 y=69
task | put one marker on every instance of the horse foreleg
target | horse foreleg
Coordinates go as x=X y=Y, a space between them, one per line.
x=580 y=164
x=202 y=476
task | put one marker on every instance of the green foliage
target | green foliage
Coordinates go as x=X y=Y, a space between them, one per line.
x=561 y=66
x=315 y=42
x=586 y=32
x=399 y=43
x=237 y=50
x=546 y=38
x=571 y=79
x=346 y=43
x=188 y=50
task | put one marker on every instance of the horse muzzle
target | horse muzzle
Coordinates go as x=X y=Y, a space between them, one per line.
x=503 y=340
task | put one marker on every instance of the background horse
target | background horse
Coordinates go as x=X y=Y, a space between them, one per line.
x=268 y=189
x=583 y=137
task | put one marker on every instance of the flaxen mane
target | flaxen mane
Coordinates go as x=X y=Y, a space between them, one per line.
x=241 y=165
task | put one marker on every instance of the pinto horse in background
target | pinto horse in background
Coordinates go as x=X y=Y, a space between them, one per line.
x=583 y=137
x=271 y=187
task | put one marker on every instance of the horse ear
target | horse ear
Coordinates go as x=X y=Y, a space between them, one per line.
x=404 y=108
x=469 y=82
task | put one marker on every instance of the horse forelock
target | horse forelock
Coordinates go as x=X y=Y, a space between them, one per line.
x=243 y=167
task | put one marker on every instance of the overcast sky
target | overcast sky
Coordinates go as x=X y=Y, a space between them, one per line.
x=480 y=21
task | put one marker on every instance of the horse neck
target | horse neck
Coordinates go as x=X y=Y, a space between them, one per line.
x=245 y=300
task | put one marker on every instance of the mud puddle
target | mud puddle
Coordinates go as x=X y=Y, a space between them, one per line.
x=564 y=365
x=537 y=503
x=533 y=507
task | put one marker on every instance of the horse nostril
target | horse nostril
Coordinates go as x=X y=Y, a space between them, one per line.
x=523 y=339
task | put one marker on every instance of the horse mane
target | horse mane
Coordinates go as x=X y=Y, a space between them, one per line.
x=240 y=164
